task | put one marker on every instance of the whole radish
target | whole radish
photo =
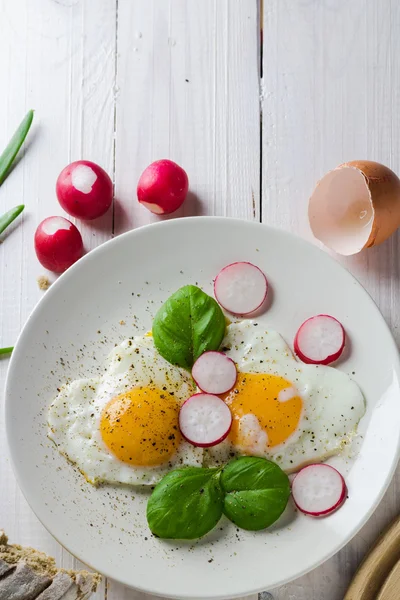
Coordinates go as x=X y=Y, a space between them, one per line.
x=84 y=190
x=163 y=187
x=58 y=244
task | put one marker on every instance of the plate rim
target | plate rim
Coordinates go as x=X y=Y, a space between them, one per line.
x=92 y=255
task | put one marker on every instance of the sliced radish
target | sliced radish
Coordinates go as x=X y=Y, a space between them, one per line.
x=58 y=244
x=320 y=340
x=84 y=190
x=214 y=372
x=241 y=288
x=204 y=420
x=318 y=490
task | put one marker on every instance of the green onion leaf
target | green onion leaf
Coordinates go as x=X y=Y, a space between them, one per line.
x=6 y=350
x=9 y=154
x=9 y=216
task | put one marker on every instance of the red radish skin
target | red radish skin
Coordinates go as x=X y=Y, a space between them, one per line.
x=241 y=288
x=84 y=190
x=58 y=244
x=205 y=420
x=320 y=340
x=318 y=490
x=214 y=373
x=163 y=187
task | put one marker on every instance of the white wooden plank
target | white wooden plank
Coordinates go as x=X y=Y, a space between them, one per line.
x=331 y=93
x=58 y=58
x=188 y=90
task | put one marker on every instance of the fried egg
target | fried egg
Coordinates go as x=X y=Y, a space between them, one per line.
x=122 y=427
x=283 y=409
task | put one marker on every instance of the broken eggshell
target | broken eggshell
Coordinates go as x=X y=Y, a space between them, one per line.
x=355 y=206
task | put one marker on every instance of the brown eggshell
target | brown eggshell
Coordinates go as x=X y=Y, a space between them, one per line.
x=355 y=206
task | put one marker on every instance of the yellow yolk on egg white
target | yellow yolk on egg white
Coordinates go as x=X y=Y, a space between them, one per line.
x=140 y=427
x=122 y=426
x=284 y=410
x=269 y=398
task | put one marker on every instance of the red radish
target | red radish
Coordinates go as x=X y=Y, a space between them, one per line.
x=204 y=420
x=58 y=244
x=318 y=490
x=241 y=288
x=163 y=187
x=84 y=190
x=320 y=340
x=214 y=372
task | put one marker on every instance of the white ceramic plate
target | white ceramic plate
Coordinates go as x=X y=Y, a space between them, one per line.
x=127 y=279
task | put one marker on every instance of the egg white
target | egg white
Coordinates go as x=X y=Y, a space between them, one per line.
x=74 y=415
x=333 y=404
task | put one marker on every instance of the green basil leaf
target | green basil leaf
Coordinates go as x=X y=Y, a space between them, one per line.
x=186 y=504
x=257 y=492
x=255 y=509
x=189 y=323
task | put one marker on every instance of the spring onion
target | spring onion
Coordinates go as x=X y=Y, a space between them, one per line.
x=9 y=154
x=6 y=350
x=9 y=216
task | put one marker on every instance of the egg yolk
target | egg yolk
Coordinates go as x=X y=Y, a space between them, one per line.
x=140 y=427
x=271 y=399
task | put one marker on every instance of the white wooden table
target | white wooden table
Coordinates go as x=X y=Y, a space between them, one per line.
x=255 y=120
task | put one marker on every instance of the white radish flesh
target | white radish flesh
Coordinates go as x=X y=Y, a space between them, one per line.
x=318 y=490
x=214 y=373
x=205 y=420
x=320 y=340
x=241 y=288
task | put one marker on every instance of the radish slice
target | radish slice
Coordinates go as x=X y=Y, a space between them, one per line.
x=241 y=288
x=214 y=372
x=320 y=340
x=204 y=420
x=318 y=490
